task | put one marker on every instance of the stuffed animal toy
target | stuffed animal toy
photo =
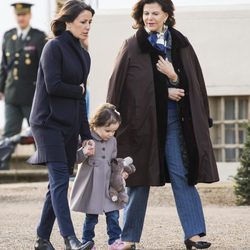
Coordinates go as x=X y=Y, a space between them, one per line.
x=117 y=185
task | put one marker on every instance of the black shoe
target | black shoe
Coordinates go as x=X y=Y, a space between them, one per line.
x=198 y=244
x=72 y=243
x=43 y=244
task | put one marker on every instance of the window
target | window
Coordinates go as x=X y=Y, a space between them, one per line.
x=230 y=115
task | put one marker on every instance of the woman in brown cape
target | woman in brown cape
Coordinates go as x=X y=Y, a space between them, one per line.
x=158 y=87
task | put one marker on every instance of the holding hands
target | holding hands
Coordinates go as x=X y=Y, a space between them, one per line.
x=88 y=147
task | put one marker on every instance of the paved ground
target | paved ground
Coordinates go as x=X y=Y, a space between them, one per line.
x=227 y=225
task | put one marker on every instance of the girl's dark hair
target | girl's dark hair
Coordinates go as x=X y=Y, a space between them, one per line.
x=166 y=5
x=68 y=13
x=104 y=116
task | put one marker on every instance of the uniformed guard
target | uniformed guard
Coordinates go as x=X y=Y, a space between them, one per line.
x=21 y=50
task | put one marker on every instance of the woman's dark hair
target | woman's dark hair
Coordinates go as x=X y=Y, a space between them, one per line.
x=166 y=5
x=104 y=116
x=68 y=13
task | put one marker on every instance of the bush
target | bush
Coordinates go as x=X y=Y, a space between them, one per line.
x=242 y=178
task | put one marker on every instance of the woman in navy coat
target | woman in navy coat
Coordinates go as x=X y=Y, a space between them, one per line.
x=59 y=115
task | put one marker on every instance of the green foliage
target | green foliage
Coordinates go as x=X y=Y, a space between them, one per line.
x=242 y=178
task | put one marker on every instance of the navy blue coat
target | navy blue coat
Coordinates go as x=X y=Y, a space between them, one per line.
x=58 y=113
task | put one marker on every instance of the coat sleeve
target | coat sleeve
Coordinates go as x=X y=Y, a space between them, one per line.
x=118 y=77
x=51 y=63
x=84 y=127
x=3 y=68
x=202 y=86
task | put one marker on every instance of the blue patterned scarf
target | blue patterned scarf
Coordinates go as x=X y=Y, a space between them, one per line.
x=162 y=41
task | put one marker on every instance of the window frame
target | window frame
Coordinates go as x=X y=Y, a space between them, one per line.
x=221 y=123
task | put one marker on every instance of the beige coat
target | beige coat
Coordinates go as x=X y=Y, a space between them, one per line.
x=89 y=193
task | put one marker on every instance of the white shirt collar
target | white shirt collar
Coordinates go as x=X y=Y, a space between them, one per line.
x=24 y=32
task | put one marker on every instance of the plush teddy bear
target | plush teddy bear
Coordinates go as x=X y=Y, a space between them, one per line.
x=117 y=190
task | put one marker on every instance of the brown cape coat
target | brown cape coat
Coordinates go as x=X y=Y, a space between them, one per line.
x=140 y=94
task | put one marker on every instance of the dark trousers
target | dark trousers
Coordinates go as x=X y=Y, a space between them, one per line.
x=14 y=115
x=113 y=228
x=56 y=202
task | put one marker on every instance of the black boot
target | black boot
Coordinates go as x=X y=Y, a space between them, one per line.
x=72 y=243
x=43 y=244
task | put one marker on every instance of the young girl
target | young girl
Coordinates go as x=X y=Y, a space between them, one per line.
x=89 y=193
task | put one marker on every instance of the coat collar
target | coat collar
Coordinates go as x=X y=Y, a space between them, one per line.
x=178 y=40
x=75 y=44
x=95 y=136
x=68 y=36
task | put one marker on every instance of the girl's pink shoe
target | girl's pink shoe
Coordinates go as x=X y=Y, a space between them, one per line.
x=117 y=245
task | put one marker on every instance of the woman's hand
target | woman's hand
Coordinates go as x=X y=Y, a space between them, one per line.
x=166 y=68
x=175 y=94
x=83 y=88
x=88 y=147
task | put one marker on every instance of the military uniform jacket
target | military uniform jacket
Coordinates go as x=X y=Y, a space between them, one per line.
x=18 y=70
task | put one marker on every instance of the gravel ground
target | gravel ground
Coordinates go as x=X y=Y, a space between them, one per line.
x=227 y=225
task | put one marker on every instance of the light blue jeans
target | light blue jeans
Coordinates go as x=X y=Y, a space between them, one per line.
x=187 y=199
